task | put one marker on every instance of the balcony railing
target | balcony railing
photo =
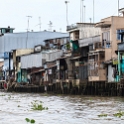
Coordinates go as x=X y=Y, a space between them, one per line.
x=94 y=67
x=52 y=55
x=71 y=27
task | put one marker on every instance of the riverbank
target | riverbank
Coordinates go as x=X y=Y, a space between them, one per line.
x=94 y=89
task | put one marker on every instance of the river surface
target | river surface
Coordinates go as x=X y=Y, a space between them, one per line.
x=15 y=107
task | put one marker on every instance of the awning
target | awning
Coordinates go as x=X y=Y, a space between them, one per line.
x=77 y=57
x=51 y=66
x=98 y=51
x=103 y=24
x=40 y=70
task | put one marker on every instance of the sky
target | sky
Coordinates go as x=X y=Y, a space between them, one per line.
x=14 y=13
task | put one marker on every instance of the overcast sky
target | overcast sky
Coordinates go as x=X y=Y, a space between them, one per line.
x=13 y=13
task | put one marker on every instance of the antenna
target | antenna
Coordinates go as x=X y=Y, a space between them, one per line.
x=90 y=19
x=28 y=22
x=93 y=11
x=60 y=30
x=40 y=23
x=66 y=2
x=82 y=10
x=50 y=26
x=28 y=29
x=118 y=7
x=84 y=13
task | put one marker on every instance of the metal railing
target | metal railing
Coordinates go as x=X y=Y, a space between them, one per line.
x=71 y=27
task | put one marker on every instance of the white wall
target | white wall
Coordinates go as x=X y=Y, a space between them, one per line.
x=6 y=64
x=86 y=32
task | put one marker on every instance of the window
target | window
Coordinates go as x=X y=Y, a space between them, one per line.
x=118 y=34
x=106 y=39
x=106 y=36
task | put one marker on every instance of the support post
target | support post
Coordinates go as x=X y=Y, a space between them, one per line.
x=9 y=64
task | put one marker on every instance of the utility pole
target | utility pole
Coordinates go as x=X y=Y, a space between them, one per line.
x=93 y=11
x=84 y=13
x=118 y=7
x=28 y=29
x=28 y=21
x=66 y=2
x=50 y=25
x=82 y=10
x=90 y=19
x=40 y=23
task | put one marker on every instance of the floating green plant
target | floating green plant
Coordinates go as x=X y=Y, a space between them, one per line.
x=19 y=106
x=38 y=106
x=27 y=119
x=119 y=114
x=2 y=95
x=102 y=115
x=32 y=121
x=9 y=96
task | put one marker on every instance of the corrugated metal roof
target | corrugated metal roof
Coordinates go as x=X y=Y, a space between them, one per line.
x=30 y=61
x=12 y=41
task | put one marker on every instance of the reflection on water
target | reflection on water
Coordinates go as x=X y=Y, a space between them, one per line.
x=15 y=107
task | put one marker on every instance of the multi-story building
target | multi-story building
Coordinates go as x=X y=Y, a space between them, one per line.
x=104 y=57
x=81 y=36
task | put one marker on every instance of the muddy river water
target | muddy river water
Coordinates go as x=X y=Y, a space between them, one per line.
x=15 y=107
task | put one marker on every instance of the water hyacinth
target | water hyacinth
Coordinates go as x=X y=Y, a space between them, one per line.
x=32 y=121
x=38 y=106
x=102 y=115
x=119 y=114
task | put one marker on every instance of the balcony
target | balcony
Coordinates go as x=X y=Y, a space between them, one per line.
x=100 y=77
x=78 y=25
x=52 y=55
x=87 y=41
x=120 y=47
x=96 y=69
